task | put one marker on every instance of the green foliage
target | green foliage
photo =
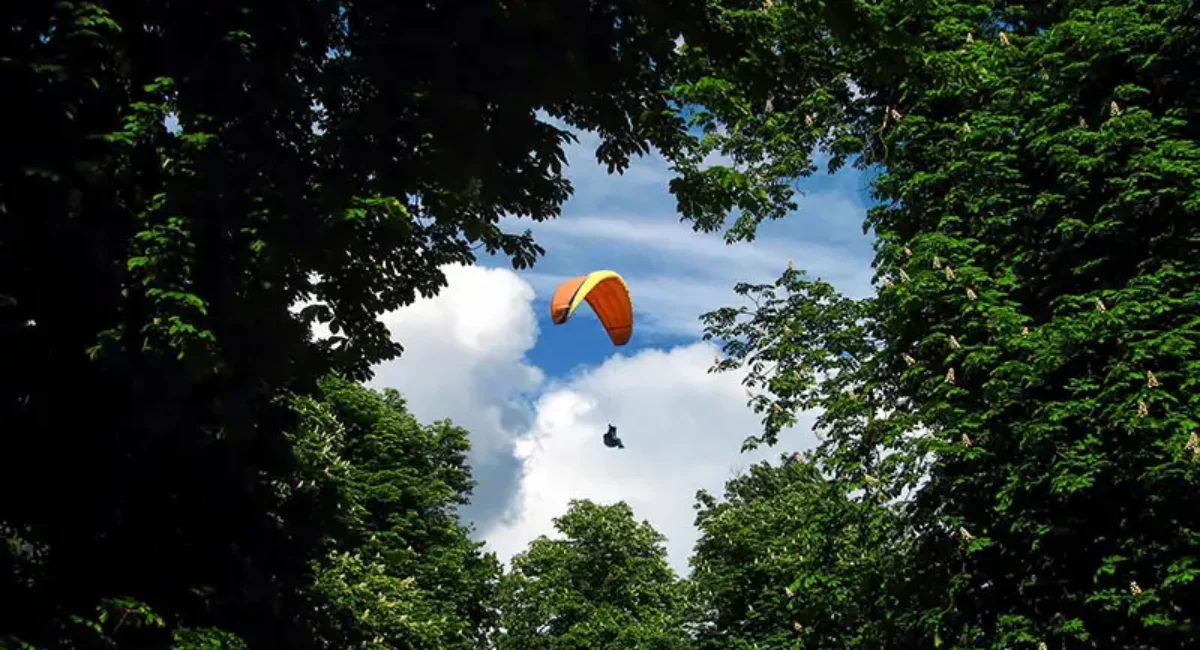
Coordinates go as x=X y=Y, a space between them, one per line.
x=120 y=622
x=158 y=286
x=401 y=571
x=1010 y=451
x=604 y=584
x=1025 y=374
x=788 y=559
x=395 y=567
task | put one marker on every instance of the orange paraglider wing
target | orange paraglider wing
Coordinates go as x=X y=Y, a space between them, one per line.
x=609 y=297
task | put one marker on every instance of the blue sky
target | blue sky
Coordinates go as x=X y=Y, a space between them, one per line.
x=536 y=397
x=628 y=223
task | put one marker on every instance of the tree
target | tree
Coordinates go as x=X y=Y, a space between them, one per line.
x=1028 y=365
x=606 y=584
x=399 y=570
x=396 y=568
x=157 y=285
x=789 y=559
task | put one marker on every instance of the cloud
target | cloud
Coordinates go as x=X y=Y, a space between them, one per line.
x=536 y=442
x=464 y=359
x=682 y=429
x=536 y=439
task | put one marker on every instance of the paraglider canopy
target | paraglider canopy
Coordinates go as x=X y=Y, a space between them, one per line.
x=609 y=297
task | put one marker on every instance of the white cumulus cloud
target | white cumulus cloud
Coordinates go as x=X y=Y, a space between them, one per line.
x=536 y=443
x=536 y=440
x=682 y=430
x=464 y=359
x=464 y=355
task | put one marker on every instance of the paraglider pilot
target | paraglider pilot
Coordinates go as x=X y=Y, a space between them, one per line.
x=611 y=439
